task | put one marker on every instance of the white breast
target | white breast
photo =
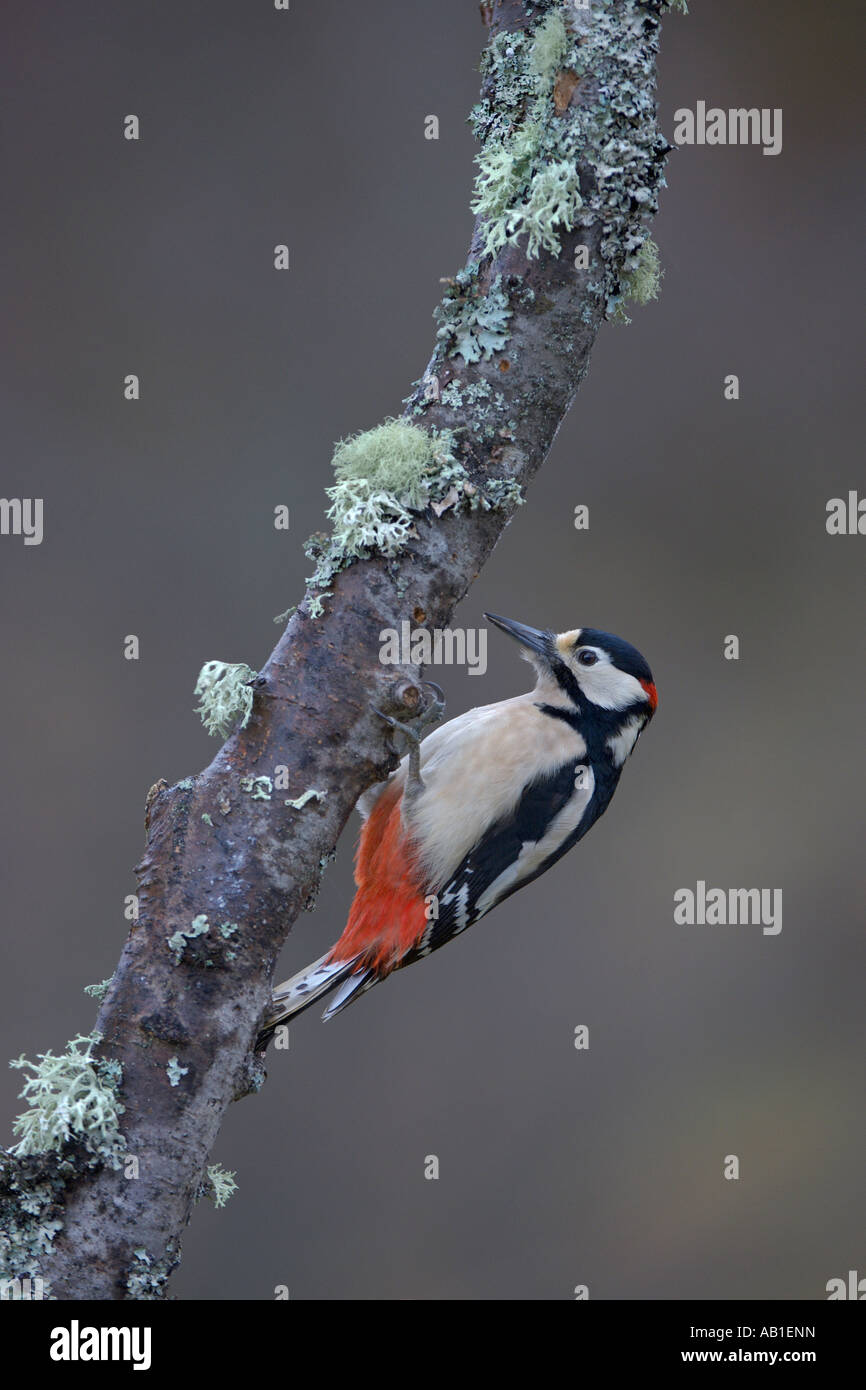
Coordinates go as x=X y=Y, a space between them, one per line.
x=474 y=770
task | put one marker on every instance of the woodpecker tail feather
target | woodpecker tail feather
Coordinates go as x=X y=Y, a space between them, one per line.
x=302 y=990
x=349 y=992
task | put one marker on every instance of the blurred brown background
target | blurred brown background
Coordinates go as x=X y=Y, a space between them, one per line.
x=707 y=518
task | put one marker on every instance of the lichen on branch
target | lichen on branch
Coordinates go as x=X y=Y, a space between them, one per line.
x=71 y=1096
x=568 y=137
x=71 y=1125
x=225 y=695
x=386 y=478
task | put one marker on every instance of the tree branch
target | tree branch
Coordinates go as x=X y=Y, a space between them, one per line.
x=250 y=863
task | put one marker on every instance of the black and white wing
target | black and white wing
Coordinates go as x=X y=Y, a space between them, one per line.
x=550 y=817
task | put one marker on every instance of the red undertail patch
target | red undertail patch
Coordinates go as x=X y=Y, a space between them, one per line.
x=388 y=914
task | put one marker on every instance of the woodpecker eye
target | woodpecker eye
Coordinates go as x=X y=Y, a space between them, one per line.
x=587 y=657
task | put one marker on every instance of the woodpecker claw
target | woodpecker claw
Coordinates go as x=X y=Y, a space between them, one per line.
x=436 y=708
x=413 y=728
x=412 y=731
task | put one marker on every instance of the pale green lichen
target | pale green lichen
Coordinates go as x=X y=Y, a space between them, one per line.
x=206 y=817
x=537 y=138
x=569 y=142
x=369 y=518
x=471 y=325
x=228 y=929
x=394 y=457
x=640 y=282
x=219 y=1185
x=284 y=617
x=383 y=476
x=311 y=794
x=500 y=494
x=147 y=1278
x=528 y=181
x=99 y=991
x=259 y=788
x=174 y=1071
x=226 y=698
x=72 y=1096
x=548 y=49
x=179 y=939
x=316 y=607
x=29 y=1222
x=459 y=393
x=71 y=1125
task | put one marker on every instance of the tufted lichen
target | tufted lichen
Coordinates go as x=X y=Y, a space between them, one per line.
x=99 y=991
x=72 y=1123
x=640 y=281
x=528 y=181
x=394 y=457
x=315 y=607
x=548 y=49
x=568 y=134
x=219 y=1185
x=226 y=697
x=72 y=1096
x=383 y=475
x=567 y=127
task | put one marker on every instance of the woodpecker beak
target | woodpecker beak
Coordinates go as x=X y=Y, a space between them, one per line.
x=531 y=637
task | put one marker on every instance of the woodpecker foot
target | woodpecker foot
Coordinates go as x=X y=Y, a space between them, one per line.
x=412 y=731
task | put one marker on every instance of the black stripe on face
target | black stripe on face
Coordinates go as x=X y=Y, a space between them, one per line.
x=567 y=682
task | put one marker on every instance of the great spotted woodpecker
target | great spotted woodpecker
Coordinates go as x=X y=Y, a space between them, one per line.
x=482 y=807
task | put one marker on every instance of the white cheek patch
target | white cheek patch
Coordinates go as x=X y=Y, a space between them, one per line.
x=608 y=687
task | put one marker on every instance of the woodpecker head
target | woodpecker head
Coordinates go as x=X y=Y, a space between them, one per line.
x=595 y=670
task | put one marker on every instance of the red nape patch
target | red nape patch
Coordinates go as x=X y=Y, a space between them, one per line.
x=388 y=915
x=652 y=694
